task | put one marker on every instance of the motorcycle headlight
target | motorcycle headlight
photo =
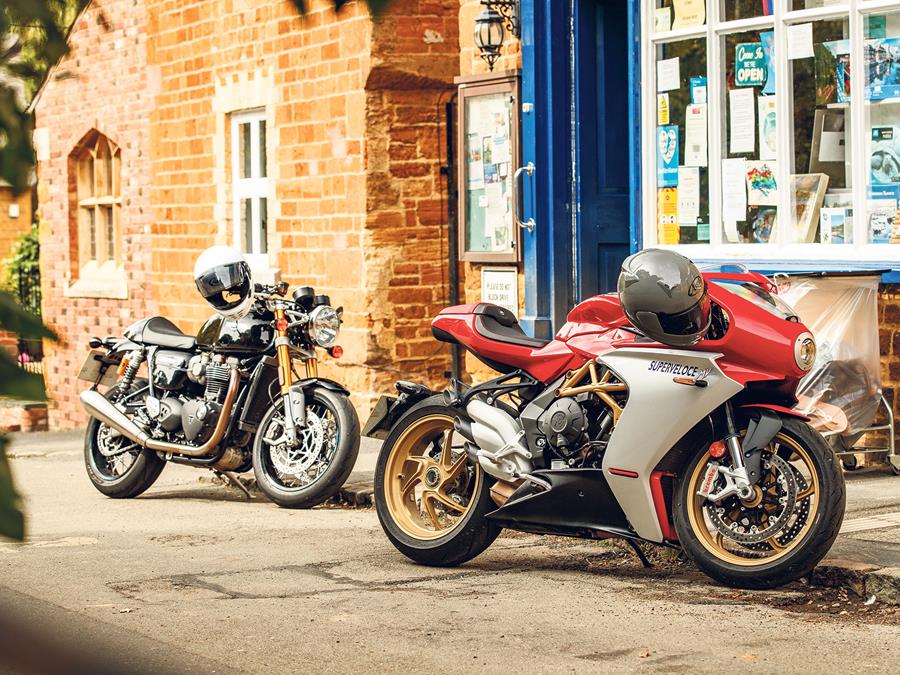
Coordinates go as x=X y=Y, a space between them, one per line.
x=805 y=351
x=324 y=324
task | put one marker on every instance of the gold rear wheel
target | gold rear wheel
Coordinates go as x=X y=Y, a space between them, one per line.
x=429 y=484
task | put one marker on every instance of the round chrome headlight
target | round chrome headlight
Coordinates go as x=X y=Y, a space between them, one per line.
x=805 y=351
x=324 y=324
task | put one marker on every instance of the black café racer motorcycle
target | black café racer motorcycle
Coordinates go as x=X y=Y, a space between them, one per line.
x=228 y=400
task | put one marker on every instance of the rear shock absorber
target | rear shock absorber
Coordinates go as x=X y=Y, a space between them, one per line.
x=131 y=366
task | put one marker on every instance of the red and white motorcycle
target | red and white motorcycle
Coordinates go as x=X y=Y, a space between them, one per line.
x=603 y=432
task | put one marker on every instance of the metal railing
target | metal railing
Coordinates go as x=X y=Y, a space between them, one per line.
x=30 y=353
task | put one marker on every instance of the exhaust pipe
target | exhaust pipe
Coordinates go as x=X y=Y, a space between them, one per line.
x=98 y=406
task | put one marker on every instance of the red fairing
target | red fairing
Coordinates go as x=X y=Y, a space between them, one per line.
x=758 y=346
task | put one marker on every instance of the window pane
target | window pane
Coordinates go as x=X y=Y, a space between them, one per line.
x=811 y=4
x=821 y=198
x=89 y=177
x=881 y=53
x=247 y=225
x=262 y=149
x=246 y=169
x=91 y=224
x=745 y=9
x=110 y=232
x=263 y=225
x=749 y=138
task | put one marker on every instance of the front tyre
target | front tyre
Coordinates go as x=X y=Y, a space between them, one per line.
x=313 y=470
x=430 y=498
x=782 y=531
x=117 y=466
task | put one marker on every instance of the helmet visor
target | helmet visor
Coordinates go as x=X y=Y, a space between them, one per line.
x=226 y=286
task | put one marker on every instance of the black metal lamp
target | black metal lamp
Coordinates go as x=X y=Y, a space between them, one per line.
x=489 y=27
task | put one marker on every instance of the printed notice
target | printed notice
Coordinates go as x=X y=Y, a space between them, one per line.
x=800 y=41
x=734 y=190
x=688 y=195
x=662 y=109
x=689 y=13
x=668 y=74
x=742 y=109
x=695 y=142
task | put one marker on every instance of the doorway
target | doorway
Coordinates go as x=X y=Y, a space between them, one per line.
x=601 y=149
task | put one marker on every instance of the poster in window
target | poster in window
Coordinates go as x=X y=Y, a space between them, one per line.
x=667 y=156
x=882 y=65
x=884 y=157
x=762 y=188
x=767 y=40
x=768 y=128
x=832 y=72
x=808 y=191
x=667 y=215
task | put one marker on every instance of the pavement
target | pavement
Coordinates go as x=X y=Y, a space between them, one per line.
x=194 y=577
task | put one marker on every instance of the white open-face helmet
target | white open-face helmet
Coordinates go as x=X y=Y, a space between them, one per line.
x=223 y=279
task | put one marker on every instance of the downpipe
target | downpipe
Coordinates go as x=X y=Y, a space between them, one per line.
x=98 y=406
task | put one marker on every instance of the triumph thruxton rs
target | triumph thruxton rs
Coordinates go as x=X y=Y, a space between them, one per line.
x=608 y=431
x=228 y=399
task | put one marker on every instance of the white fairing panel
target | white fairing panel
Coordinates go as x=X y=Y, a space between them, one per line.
x=659 y=411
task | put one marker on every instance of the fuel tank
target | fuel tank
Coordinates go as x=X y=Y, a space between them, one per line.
x=250 y=335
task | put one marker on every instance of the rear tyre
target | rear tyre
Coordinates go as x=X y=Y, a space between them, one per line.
x=430 y=498
x=309 y=473
x=781 y=533
x=117 y=466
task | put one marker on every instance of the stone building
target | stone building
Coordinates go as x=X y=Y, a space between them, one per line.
x=147 y=130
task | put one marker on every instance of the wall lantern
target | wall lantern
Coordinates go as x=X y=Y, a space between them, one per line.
x=489 y=27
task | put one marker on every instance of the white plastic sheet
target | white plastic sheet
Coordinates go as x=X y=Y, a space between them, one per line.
x=842 y=391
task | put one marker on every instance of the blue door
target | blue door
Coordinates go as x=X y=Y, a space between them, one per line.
x=581 y=130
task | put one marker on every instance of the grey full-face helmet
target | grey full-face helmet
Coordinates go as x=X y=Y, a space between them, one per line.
x=665 y=297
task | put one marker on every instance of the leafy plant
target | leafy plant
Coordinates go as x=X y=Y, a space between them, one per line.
x=25 y=260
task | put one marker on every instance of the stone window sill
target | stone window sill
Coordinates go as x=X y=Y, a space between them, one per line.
x=100 y=281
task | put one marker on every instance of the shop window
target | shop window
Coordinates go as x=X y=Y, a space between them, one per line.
x=250 y=183
x=803 y=123
x=97 y=164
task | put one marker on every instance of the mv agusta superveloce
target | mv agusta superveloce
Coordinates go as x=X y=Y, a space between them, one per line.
x=659 y=414
x=228 y=399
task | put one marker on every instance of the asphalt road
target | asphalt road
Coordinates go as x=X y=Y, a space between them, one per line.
x=192 y=577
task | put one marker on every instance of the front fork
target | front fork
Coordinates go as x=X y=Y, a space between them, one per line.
x=293 y=399
x=737 y=480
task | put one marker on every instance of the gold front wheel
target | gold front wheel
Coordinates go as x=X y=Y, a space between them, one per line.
x=780 y=531
x=429 y=484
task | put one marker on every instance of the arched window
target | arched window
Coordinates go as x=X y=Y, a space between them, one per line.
x=98 y=200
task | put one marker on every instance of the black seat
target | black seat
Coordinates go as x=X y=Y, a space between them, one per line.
x=159 y=331
x=500 y=325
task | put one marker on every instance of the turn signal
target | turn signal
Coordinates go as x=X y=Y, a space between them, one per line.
x=717 y=449
x=336 y=352
x=281 y=325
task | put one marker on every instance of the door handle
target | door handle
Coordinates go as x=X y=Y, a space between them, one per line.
x=528 y=170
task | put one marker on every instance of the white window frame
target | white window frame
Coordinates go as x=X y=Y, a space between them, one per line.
x=255 y=188
x=860 y=251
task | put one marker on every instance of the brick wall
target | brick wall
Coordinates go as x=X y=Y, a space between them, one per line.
x=889 y=334
x=13 y=228
x=103 y=84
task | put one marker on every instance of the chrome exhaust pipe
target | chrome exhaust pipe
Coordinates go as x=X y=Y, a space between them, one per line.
x=98 y=406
